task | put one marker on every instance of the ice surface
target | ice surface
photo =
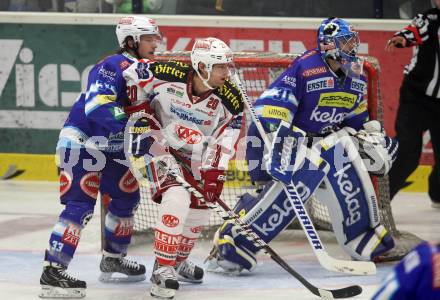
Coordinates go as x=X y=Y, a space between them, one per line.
x=28 y=211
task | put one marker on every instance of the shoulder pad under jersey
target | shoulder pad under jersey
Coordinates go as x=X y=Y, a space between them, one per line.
x=231 y=97
x=118 y=61
x=173 y=71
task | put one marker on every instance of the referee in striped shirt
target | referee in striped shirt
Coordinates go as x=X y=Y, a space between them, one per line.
x=419 y=108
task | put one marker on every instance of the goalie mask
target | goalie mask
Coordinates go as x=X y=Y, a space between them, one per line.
x=339 y=41
x=136 y=26
x=211 y=51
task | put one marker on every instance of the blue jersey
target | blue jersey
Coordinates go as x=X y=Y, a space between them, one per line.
x=417 y=276
x=99 y=111
x=312 y=97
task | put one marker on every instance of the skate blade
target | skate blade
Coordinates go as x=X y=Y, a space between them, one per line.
x=162 y=293
x=58 y=292
x=120 y=277
x=184 y=279
x=212 y=266
x=222 y=271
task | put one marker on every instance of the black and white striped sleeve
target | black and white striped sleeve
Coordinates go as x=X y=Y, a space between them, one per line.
x=416 y=33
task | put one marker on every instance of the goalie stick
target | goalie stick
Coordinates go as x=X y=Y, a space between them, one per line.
x=226 y=213
x=328 y=262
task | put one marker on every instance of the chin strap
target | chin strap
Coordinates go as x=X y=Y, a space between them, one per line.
x=134 y=49
x=204 y=81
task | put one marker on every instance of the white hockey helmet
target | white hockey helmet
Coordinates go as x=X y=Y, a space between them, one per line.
x=135 y=26
x=210 y=51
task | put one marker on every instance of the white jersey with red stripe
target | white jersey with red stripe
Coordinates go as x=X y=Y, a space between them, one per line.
x=202 y=129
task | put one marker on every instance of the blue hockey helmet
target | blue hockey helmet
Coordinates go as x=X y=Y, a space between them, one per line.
x=338 y=40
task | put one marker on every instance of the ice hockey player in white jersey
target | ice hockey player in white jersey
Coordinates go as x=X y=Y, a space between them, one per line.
x=196 y=113
x=314 y=109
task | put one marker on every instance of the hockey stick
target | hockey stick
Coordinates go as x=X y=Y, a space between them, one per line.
x=11 y=172
x=328 y=262
x=226 y=213
x=138 y=168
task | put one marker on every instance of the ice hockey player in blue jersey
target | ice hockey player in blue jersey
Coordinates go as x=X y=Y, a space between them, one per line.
x=417 y=276
x=315 y=108
x=90 y=150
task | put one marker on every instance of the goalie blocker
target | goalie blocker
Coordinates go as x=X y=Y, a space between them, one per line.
x=347 y=191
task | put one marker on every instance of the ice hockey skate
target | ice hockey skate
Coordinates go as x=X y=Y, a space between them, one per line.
x=57 y=283
x=164 y=279
x=187 y=271
x=117 y=268
x=216 y=264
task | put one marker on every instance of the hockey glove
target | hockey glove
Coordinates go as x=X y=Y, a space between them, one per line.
x=392 y=146
x=281 y=160
x=213 y=180
x=140 y=139
x=375 y=147
x=389 y=144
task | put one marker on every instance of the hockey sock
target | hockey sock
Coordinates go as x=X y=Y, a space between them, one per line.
x=172 y=214
x=63 y=242
x=118 y=232
x=194 y=223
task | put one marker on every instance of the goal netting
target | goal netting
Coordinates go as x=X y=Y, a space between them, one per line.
x=257 y=71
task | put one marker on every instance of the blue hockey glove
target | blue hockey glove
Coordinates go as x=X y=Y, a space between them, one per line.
x=281 y=160
x=392 y=146
x=140 y=139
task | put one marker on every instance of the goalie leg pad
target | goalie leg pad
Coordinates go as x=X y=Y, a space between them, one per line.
x=372 y=243
x=232 y=249
x=352 y=201
x=272 y=211
x=268 y=215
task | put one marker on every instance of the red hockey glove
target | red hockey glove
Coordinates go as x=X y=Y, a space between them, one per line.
x=213 y=183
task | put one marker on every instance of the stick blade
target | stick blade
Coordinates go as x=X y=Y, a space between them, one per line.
x=346 y=266
x=357 y=268
x=346 y=292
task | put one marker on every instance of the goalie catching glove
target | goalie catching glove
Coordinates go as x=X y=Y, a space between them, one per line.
x=376 y=149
